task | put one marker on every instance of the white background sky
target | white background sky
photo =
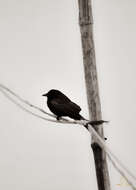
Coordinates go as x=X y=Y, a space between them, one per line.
x=40 y=49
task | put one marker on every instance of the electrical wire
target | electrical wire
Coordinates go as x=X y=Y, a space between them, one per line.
x=110 y=155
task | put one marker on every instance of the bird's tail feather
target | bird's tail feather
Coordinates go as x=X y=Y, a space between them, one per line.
x=94 y=122
x=97 y=122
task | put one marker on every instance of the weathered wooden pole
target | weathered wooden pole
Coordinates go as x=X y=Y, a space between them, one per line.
x=86 y=29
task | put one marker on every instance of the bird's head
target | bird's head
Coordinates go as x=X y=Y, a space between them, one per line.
x=52 y=93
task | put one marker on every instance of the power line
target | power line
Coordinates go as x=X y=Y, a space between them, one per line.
x=25 y=101
x=110 y=155
x=64 y=121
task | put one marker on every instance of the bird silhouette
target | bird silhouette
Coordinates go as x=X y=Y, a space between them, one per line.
x=61 y=105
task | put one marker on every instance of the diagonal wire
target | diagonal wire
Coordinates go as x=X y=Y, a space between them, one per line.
x=34 y=114
x=102 y=143
x=110 y=155
x=27 y=102
x=121 y=173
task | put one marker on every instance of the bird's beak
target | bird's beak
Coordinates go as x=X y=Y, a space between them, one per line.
x=45 y=94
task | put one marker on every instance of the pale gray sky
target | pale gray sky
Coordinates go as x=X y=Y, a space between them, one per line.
x=40 y=49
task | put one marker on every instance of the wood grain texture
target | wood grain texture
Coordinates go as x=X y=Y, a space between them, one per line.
x=89 y=60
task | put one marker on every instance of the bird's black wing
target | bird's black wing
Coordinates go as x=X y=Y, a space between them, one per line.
x=63 y=98
x=75 y=106
x=65 y=108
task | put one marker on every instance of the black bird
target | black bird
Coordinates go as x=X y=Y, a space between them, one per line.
x=61 y=105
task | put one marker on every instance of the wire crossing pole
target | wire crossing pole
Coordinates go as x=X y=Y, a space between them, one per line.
x=86 y=29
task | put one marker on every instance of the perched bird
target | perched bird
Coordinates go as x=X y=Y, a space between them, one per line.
x=61 y=105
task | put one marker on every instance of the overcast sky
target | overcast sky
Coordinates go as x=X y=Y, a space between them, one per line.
x=40 y=49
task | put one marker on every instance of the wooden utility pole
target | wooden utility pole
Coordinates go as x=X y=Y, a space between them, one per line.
x=86 y=29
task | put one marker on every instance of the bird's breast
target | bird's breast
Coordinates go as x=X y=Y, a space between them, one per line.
x=53 y=108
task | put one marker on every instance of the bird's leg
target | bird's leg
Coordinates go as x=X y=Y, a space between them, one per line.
x=58 y=118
